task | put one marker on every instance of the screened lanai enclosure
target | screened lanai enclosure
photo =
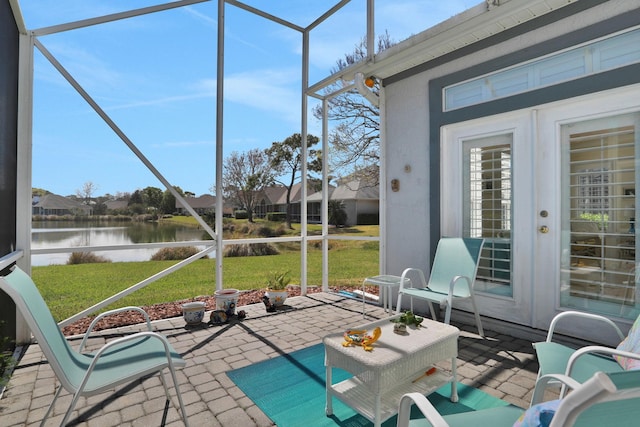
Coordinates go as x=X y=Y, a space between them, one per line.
x=63 y=83
x=513 y=120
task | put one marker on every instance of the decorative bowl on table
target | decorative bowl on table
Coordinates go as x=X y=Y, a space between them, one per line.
x=193 y=312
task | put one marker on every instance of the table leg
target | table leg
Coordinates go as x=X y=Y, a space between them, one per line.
x=454 y=381
x=329 y=405
x=388 y=298
x=364 y=303
x=376 y=416
x=382 y=295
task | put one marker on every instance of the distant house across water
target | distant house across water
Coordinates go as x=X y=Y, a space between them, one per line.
x=204 y=204
x=53 y=204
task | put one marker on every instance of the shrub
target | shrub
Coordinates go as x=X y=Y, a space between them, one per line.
x=337 y=213
x=241 y=214
x=7 y=362
x=251 y=249
x=264 y=231
x=85 y=258
x=317 y=244
x=277 y=216
x=175 y=254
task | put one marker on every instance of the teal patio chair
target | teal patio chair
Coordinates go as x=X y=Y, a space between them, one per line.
x=603 y=400
x=452 y=277
x=557 y=358
x=120 y=361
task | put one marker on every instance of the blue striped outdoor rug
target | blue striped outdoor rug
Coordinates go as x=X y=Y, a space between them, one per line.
x=290 y=389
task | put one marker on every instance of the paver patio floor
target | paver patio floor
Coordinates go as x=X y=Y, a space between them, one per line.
x=500 y=365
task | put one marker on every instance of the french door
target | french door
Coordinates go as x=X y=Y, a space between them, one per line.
x=552 y=192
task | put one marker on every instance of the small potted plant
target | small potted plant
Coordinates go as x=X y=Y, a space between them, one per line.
x=277 y=287
x=406 y=319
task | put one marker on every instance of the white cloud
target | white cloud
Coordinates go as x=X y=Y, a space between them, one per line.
x=167 y=100
x=208 y=20
x=270 y=90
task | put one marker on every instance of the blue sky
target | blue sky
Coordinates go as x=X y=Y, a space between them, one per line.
x=155 y=76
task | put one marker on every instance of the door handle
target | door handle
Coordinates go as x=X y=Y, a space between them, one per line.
x=543 y=229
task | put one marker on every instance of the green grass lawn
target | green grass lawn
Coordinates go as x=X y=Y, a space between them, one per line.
x=69 y=289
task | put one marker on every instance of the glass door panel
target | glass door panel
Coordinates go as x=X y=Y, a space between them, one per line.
x=598 y=204
x=487 y=208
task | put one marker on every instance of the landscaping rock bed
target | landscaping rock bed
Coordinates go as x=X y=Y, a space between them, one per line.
x=174 y=309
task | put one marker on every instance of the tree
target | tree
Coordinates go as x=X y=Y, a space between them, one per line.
x=245 y=176
x=355 y=141
x=39 y=192
x=152 y=197
x=337 y=213
x=136 y=198
x=169 y=200
x=136 y=202
x=86 y=192
x=286 y=160
x=100 y=206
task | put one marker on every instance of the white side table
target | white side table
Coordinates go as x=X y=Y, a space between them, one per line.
x=386 y=283
x=395 y=366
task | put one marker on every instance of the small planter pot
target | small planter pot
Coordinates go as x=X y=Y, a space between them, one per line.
x=193 y=312
x=277 y=298
x=400 y=328
x=227 y=300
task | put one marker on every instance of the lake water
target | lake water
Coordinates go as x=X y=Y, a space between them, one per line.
x=60 y=234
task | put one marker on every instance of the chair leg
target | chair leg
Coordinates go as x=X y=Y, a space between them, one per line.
x=55 y=397
x=447 y=316
x=432 y=311
x=72 y=405
x=175 y=385
x=477 y=315
x=399 y=303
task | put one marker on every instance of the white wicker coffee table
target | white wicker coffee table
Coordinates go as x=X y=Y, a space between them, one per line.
x=396 y=366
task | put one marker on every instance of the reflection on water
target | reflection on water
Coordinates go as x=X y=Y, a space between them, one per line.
x=60 y=234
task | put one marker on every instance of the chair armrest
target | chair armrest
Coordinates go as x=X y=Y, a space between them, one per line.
x=428 y=410
x=596 y=349
x=454 y=281
x=579 y=314
x=552 y=380
x=111 y=312
x=406 y=271
x=132 y=337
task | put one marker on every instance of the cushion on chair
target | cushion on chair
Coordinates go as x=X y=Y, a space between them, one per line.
x=631 y=344
x=554 y=357
x=539 y=415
